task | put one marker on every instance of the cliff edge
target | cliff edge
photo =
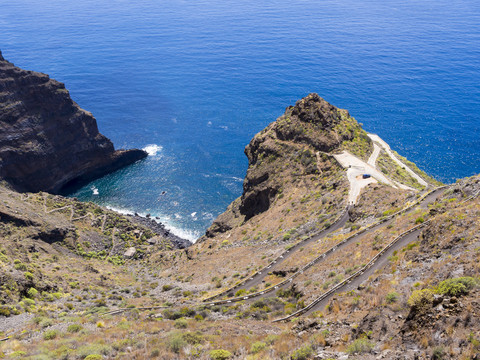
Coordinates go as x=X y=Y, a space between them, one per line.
x=47 y=142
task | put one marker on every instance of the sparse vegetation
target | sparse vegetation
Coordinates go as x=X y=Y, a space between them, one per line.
x=457 y=287
x=360 y=346
x=220 y=354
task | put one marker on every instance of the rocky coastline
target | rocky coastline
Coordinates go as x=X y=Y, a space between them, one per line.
x=160 y=229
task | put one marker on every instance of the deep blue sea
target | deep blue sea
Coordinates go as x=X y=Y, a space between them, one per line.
x=193 y=81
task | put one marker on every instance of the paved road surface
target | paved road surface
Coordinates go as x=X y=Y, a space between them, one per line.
x=355 y=169
x=387 y=148
x=381 y=262
x=372 y=160
x=257 y=279
x=424 y=205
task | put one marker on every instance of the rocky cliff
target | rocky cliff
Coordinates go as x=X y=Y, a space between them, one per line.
x=289 y=175
x=47 y=141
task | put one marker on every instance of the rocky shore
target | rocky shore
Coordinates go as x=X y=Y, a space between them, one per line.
x=160 y=229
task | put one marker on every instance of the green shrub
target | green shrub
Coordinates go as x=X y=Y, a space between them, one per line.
x=270 y=339
x=220 y=354
x=420 y=298
x=193 y=338
x=438 y=353
x=175 y=342
x=257 y=347
x=26 y=302
x=187 y=312
x=19 y=265
x=304 y=353
x=181 y=323
x=167 y=287
x=240 y=292
x=50 y=334
x=392 y=297
x=32 y=293
x=44 y=323
x=419 y=220
x=93 y=349
x=410 y=246
x=17 y=355
x=359 y=346
x=38 y=319
x=456 y=287
x=472 y=340
x=94 y=357
x=74 y=328
x=5 y=311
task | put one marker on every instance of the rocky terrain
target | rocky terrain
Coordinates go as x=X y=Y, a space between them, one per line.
x=288 y=160
x=47 y=142
x=394 y=277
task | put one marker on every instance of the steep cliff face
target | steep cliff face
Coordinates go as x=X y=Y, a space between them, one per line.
x=46 y=140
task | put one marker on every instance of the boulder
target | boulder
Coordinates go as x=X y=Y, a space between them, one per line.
x=130 y=253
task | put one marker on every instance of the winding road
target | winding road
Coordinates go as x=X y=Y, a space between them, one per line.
x=380 y=263
x=257 y=278
x=429 y=198
x=388 y=150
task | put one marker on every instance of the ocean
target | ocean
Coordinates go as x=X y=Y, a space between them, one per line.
x=193 y=81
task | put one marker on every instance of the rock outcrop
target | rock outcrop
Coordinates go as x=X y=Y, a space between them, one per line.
x=47 y=142
x=286 y=160
x=313 y=122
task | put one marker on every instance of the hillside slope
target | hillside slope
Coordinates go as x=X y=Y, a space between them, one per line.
x=285 y=243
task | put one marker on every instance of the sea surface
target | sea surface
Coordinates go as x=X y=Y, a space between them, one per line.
x=193 y=81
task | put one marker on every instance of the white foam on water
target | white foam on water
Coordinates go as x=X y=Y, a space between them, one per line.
x=237 y=179
x=120 y=211
x=193 y=214
x=207 y=216
x=183 y=233
x=152 y=149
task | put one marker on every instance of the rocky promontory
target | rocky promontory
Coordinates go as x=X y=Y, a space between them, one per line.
x=287 y=161
x=47 y=142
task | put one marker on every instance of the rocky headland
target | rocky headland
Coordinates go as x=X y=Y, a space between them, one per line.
x=47 y=142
